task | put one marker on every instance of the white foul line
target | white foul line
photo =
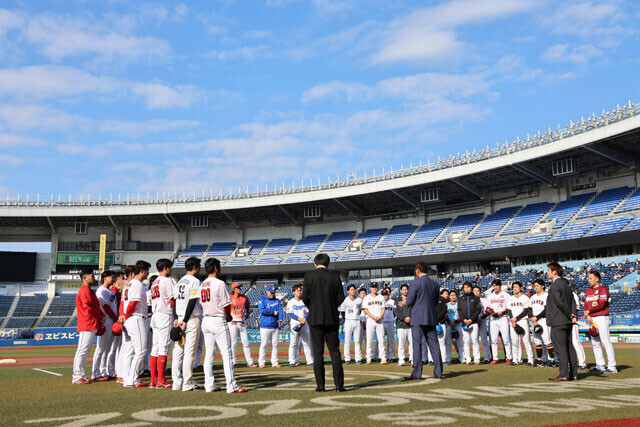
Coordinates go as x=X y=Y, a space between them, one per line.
x=48 y=372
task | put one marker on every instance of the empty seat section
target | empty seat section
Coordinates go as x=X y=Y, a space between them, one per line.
x=379 y=254
x=268 y=260
x=239 y=262
x=564 y=211
x=535 y=238
x=5 y=304
x=53 y=322
x=527 y=218
x=397 y=236
x=502 y=243
x=611 y=225
x=297 y=259
x=279 y=246
x=461 y=223
x=631 y=204
x=179 y=263
x=62 y=305
x=409 y=252
x=257 y=246
x=371 y=237
x=338 y=241
x=439 y=249
x=20 y=322
x=30 y=306
x=428 y=232
x=224 y=249
x=194 y=250
x=470 y=246
x=605 y=202
x=309 y=244
x=574 y=230
x=352 y=256
x=494 y=223
x=635 y=225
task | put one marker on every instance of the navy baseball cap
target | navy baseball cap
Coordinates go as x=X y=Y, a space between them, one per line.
x=271 y=289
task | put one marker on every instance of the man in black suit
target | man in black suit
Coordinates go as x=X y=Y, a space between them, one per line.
x=322 y=293
x=561 y=315
x=423 y=297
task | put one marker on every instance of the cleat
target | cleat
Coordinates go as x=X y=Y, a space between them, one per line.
x=120 y=380
x=508 y=362
x=277 y=366
x=261 y=366
x=102 y=379
x=82 y=381
x=296 y=364
x=359 y=362
x=291 y=365
x=583 y=367
x=368 y=362
x=163 y=385
x=347 y=362
x=152 y=384
x=240 y=390
x=253 y=365
x=610 y=371
x=493 y=362
x=383 y=362
x=596 y=370
x=113 y=377
x=486 y=361
x=139 y=385
x=195 y=387
x=429 y=363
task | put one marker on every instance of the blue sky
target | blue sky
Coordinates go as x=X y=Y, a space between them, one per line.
x=119 y=96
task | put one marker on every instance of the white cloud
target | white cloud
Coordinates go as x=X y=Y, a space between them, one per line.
x=581 y=54
x=244 y=53
x=12 y=140
x=161 y=96
x=588 y=19
x=31 y=116
x=10 y=160
x=10 y=20
x=429 y=34
x=131 y=128
x=350 y=90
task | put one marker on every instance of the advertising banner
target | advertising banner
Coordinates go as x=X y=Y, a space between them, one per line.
x=627 y=322
x=41 y=336
x=83 y=259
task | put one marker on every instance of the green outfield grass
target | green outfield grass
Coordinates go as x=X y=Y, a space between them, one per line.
x=496 y=395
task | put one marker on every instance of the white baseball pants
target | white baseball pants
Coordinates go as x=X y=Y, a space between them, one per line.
x=268 y=335
x=603 y=340
x=235 y=329
x=470 y=338
x=216 y=333
x=85 y=340
x=483 y=337
x=182 y=357
x=198 y=353
x=391 y=340
x=442 y=342
x=352 y=328
x=378 y=329
x=298 y=339
x=101 y=355
x=577 y=345
x=149 y=345
x=404 y=335
x=456 y=342
x=500 y=327
x=516 y=342
x=135 y=349
x=161 y=324
x=113 y=356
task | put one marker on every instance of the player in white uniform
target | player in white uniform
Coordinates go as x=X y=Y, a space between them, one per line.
x=108 y=306
x=351 y=307
x=362 y=293
x=575 y=336
x=187 y=316
x=498 y=308
x=541 y=332
x=120 y=369
x=388 y=320
x=114 y=351
x=596 y=303
x=162 y=302
x=483 y=336
x=299 y=332
x=216 y=309
x=135 y=322
x=373 y=306
x=518 y=315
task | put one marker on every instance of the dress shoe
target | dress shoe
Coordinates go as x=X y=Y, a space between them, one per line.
x=411 y=378
x=320 y=389
x=559 y=378
x=341 y=389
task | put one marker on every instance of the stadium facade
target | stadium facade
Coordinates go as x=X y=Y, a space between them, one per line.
x=567 y=193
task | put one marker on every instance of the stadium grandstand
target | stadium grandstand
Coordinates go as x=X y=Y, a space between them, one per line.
x=569 y=194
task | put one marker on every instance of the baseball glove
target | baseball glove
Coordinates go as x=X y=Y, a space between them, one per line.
x=537 y=329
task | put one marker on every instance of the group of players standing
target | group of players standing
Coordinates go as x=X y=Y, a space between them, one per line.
x=192 y=313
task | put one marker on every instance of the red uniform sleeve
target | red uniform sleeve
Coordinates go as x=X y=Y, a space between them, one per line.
x=131 y=308
x=107 y=309
x=121 y=309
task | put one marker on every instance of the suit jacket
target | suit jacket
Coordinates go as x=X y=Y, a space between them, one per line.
x=560 y=303
x=423 y=296
x=322 y=293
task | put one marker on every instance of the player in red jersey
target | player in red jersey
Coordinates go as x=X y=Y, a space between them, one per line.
x=89 y=319
x=237 y=326
x=596 y=309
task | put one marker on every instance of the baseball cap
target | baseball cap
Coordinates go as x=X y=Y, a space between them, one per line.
x=385 y=291
x=177 y=335
x=271 y=289
x=235 y=285
x=117 y=329
x=373 y=285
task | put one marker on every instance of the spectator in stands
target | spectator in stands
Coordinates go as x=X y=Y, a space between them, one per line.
x=90 y=318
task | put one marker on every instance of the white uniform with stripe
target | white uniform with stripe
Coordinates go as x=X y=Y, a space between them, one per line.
x=103 y=345
x=135 y=339
x=352 y=327
x=162 y=319
x=575 y=336
x=302 y=337
x=499 y=325
x=538 y=304
x=374 y=305
x=188 y=288
x=518 y=305
x=214 y=297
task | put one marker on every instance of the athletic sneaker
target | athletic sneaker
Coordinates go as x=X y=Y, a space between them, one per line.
x=194 y=387
x=261 y=366
x=610 y=371
x=368 y=362
x=253 y=365
x=347 y=362
x=277 y=366
x=152 y=384
x=508 y=362
x=120 y=380
x=383 y=362
x=493 y=362
x=240 y=390
x=597 y=369
x=163 y=385
x=139 y=385
x=82 y=381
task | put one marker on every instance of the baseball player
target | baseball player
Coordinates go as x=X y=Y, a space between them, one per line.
x=108 y=306
x=469 y=308
x=270 y=319
x=90 y=318
x=239 y=314
x=362 y=293
x=596 y=309
x=373 y=306
x=299 y=329
x=216 y=311
x=128 y=276
x=162 y=301
x=388 y=320
x=498 y=308
x=352 y=307
x=518 y=316
x=114 y=350
x=575 y=334
x=403 y=325
x=453 y=333
x=483 y=336
x=541 y=332
x=187 y=313
x=135 y=322
x=441 y=311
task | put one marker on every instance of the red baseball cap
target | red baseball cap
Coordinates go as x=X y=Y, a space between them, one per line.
x=235 y=285
x=117 y=329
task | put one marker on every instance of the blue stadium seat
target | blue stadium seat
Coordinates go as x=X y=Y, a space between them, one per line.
x=379 y=254
x=535 y=238
x=526 y=218
x=611 y=225
x=352 y=256
x=371 y=237
x=565 y=210
x=470 y=246
x=268 y=260
x=494 y=223
x=309 y=244
x=53 y=322
x=20 y=322
x=502 y=243
x=297 y=259
x=632 y=203
x=240 y=261
x=5 y=304
x=405 y=252
x=604 y=202
x=338 y=241
x=222 y=249
x=635 y=225
x=257 y=246
x=194 y=250
x=461 y=223
x=279 y=246
x=62 y=305
x=428 y=232
x=439 y=249
x=574 y=230
x=397 y=236
x=30 y=306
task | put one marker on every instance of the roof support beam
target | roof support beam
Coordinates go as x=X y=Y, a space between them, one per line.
x=610 y=154
x=295 y=221
x=53 y=228
x=115 y=226
x=231 y=218
x=534 y=173
x=405 y=199
x=173 y=222
x=470 y=188
x=349 y=207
